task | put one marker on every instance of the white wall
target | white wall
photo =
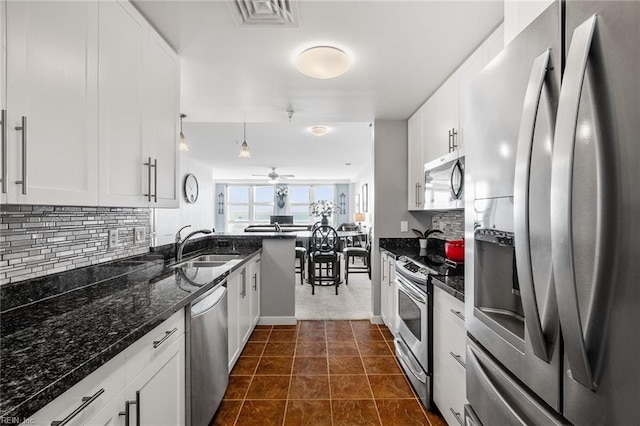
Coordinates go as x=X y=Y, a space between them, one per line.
x=199 y=215
x=389 y=199
x=518 y=14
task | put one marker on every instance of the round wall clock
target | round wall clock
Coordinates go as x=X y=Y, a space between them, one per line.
x=190 y=188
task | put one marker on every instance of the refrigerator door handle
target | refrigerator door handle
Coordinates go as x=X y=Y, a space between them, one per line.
x=521 y=205
x=561 y=204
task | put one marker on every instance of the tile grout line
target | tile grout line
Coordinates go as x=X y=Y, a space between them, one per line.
x=375 y=405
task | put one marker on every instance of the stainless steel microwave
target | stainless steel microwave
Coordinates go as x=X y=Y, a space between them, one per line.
x=444 y=182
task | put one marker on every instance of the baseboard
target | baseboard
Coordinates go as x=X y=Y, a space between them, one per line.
x=376 y=319
x=277 y=321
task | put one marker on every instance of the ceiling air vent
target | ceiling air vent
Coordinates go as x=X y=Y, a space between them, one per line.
x=265 y=13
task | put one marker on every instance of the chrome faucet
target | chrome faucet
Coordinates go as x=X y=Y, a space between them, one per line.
x=180 y=242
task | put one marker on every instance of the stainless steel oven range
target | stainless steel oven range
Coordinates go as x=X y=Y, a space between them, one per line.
x=414 y=339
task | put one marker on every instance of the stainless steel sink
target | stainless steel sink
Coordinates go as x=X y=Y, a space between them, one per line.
x=207 y=261
x=215 y=258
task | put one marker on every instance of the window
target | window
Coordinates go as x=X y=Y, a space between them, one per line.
x=248 y=205
x=254 y=204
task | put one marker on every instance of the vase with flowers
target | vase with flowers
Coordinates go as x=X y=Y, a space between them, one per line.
x=281 y=193
x=323 y=209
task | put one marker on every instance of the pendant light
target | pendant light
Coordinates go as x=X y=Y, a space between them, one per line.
x=183 y=142
x=244 y=148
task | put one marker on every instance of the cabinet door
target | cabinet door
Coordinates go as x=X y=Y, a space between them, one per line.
x=466 y=73
x=233 y=321
x=123 y=176
x=52 y=82
x=3 y=99
x=414 y=161
x=493 y=45
x=255 y=292
x=162 y=99
x=112 y=414
x=447 y=98
x=384 y=287
x=244 y=309
x=159 y=391
x=392 y=296
x=430 y=147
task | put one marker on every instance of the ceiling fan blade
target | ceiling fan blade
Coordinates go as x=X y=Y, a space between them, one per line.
x=260 y=175
x=287 y=176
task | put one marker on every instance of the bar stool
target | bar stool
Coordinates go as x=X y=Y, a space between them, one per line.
x=301 y=255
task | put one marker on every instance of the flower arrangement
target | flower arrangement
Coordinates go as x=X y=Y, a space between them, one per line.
x=282 y=191
x=323 y=208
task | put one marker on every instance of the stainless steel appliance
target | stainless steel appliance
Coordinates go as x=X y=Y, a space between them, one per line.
x=414 y=320
x=444 y=182
x=552 y=292
x=207 y=357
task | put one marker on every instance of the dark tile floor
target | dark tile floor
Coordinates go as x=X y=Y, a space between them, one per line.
x=321 y=373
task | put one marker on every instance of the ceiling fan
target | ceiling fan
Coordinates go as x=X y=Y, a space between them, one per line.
x=275 y=177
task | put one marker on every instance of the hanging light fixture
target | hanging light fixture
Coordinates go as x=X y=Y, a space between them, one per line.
x=244 y=148
x=183 y=142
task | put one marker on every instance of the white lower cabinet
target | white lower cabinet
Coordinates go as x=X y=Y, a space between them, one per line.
x=243 y=306
x=449 y=356
x=150 y=375
x=388 y=291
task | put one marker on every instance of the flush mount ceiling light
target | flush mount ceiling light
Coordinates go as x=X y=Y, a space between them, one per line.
x=319 y=130
x=244 y=148
x=183 y=142
x=323 y=62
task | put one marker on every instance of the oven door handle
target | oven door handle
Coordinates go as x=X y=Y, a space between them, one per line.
x=405 y=358
x=406 y=288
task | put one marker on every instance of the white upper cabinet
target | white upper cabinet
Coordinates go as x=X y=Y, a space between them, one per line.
x=51 y=102
x=447 y=101
x=415 y=161
x=90 y=92
x=123 y=34
x=161 y=106
x=466 y=73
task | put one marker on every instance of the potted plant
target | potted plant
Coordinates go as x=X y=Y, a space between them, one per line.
x=281 y=192
x=423 y=236
x=323 y=208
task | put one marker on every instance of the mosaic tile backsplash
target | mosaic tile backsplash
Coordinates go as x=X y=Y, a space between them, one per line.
x=42 y=240
x=451 y=223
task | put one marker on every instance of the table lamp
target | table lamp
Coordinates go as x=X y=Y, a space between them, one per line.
x=359 y=217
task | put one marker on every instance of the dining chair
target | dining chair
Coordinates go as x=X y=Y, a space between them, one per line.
x=357 y=251
x=324 y=256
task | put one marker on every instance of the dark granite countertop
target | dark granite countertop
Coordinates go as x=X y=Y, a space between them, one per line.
x=48 y=345
x=454 y=285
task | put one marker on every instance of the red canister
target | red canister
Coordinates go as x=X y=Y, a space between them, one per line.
x=454 y=250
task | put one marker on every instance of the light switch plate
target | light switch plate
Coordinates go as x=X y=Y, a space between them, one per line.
x=113 y=239
x=139 y=234
x=404 y=226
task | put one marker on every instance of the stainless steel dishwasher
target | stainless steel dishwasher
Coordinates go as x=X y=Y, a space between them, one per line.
x=207 y=355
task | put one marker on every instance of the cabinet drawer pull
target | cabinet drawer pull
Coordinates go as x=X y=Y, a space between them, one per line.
x=450 y=144
x=459 y=359
x=255 y=282
x=23 y=182
x=148 y=194
x=167 y=334
x=454 y=145
x=85 y=403
x=456 y=415
x=457 y=313
x=5 y=162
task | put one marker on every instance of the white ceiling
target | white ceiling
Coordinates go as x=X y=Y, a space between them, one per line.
x=401 y=51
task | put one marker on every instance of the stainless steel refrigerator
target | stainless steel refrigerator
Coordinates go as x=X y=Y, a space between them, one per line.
x=552 y=222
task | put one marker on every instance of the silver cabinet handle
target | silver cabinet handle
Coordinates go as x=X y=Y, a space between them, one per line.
x=255 y=282
x=459 y=359
x=450 y=144
x=243 y=291
x=561 y=207
x=126 y=412
x=456 y=415
x=86 y=401
x=148 y=194
x=457 y=313
x=419 y=186
x=5 y=162
x=521 y=204
x=167 y=334
x=454 y=145
x=23 y=182
x=384 y=266
x=155 y=180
